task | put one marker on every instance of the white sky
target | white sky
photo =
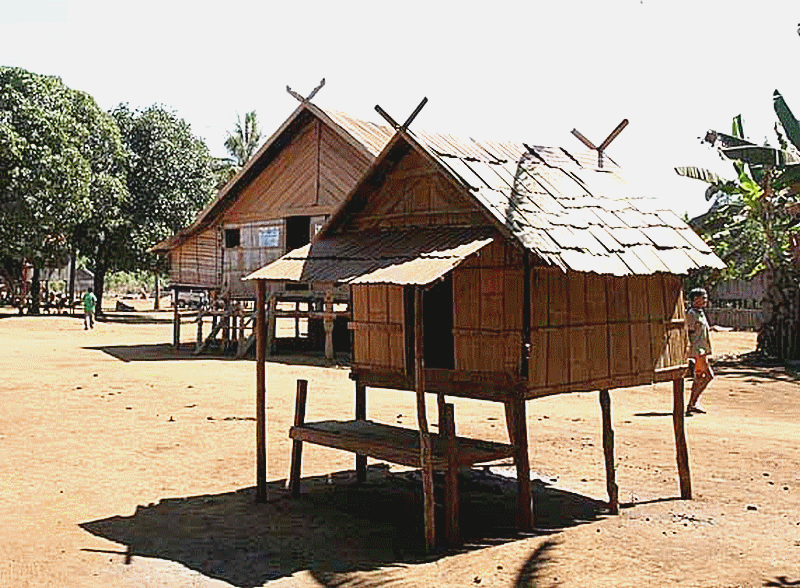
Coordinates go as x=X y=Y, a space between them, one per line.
x=524 y=70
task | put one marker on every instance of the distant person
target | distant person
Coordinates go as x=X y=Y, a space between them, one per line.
x=89 y=305
x=699 y=348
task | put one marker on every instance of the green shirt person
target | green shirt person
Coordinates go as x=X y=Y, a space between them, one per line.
x=89 y=305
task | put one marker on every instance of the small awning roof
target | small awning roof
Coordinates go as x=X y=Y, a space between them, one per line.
x=415 y=256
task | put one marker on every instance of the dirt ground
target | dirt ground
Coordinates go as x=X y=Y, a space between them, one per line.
x=125 y=463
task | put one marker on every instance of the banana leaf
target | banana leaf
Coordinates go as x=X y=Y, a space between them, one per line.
x=790 y=124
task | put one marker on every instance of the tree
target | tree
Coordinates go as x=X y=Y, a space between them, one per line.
x=60 y=155
x=751 y=223
x=243 y=142
x=170 y=178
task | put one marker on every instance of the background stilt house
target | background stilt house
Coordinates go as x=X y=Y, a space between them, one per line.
x=275 y=204
x=519 y=271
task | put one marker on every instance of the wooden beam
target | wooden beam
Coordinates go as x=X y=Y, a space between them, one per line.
x=608 y=452
x=176 y=320
x=517 y=422
x=361 y=415
x=297 y=446
x=681 y=450
x=261 y=392
x=447 y=429
x=414 y=114
x=425 y=457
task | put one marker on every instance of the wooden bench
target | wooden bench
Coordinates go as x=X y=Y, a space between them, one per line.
x=397 y=445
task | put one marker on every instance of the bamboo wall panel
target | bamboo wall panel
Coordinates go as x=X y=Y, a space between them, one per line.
x=415 y=193
x=197 y=262
x=590 y=331
x=487 y=311
x=378 y=335
x=249 y=256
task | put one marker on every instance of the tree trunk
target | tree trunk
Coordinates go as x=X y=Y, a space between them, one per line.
x=71 y=295
x=157 y=302
x=99 y=284
x=35 y=289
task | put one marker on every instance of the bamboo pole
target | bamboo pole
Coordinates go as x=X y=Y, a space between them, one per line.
x=426 y=463
x=681 y=450
x=608 y=452
x=261 y=393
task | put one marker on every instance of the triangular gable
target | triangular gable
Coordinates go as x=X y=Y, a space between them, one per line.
x=406 y=186
x=365 y=138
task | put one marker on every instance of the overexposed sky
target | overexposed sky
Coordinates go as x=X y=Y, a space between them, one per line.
x=529 y=71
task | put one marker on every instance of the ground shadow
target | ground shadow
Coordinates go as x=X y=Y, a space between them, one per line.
x=334 y=529
x=753 y=366
x=652 y=414
x=133 y=318
x=782 y=582
x=166 y=352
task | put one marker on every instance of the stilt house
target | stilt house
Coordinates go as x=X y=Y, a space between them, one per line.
x=503 y=272
x=276 y=203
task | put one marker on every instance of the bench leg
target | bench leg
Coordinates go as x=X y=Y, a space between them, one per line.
x=297 y=446
x=361 y=414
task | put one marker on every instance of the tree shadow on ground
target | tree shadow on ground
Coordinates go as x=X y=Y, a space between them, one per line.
x=335 y=529
x=753 y=367
x=782 y=582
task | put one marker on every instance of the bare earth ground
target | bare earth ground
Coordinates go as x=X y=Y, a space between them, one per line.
x=124 y=463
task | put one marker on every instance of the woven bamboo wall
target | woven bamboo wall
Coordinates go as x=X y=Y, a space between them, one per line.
x=378 y=327
x=250 y=256
x=590 y=331
x=197 y=262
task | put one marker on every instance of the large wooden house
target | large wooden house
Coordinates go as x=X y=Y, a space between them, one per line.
x=276 y=203
x=503 y=272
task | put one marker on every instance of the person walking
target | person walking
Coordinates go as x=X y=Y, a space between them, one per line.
x=699 y=348
x=89 y=304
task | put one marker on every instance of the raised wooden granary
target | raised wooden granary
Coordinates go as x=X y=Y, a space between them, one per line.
x=503 y=272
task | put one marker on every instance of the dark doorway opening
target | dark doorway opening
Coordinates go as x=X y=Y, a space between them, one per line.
x=298 y=231
x=437 y=326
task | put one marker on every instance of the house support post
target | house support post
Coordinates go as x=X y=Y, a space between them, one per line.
x=425 y=457
x=273 y=305
x=517 y=422
x=297 y=446
x=176 y=319
x=681 y=450
x=328 y=323
x=361 y=414
x=447 y=429
x=261 y=393
x=608 y=452
x=199 y=345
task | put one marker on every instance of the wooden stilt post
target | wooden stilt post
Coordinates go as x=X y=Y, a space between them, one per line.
x=518 y=434
x=261 y=393
x=682 y=451
x=425 y=456
x=242 y=326
x=361 y=414
x=328 y=324
x=447 y=429
x=608 y=452
x=273 y=305
x=176 y=320
x=199 y=345
x=297 y=446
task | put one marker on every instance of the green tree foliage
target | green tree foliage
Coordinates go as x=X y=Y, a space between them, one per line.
x=170 y=178
x=61 y=158
x=752 y=223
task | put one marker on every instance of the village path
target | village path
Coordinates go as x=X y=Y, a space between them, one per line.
x=123 y=463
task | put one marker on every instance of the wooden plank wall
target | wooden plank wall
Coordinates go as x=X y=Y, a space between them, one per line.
x=487 y=310
x=590 y=332
x=340 y=168
x=415 y=193
x=198 y=261
x=378 y=327
x=249 y=256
